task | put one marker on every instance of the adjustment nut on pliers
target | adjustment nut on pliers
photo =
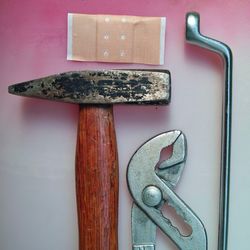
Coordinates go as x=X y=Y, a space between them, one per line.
x=152 y=196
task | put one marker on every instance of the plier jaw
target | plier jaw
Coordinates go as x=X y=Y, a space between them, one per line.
x=151 y=181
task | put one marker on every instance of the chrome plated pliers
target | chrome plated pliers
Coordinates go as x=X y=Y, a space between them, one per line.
x=151 y=180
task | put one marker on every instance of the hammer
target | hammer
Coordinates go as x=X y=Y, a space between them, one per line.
x=96 y=150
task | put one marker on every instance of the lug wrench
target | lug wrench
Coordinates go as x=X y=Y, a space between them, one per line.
x=194 y=36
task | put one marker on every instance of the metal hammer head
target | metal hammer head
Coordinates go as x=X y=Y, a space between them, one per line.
x=100 y=87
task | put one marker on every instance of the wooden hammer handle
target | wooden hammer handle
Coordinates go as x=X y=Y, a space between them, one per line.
x=97 y=179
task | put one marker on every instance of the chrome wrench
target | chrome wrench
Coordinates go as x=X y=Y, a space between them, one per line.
x=194 y=36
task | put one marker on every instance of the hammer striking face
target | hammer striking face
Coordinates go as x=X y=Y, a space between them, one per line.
x=96 y=151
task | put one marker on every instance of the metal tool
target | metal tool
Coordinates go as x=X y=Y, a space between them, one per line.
x=194 y=36
x=96 y=152
x=151 y=181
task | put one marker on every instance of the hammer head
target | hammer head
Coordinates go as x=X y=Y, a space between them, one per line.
x=100 y=87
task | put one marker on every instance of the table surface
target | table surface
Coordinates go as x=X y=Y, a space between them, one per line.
x=37 y=137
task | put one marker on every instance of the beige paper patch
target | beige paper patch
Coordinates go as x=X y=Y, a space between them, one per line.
x=121 y=39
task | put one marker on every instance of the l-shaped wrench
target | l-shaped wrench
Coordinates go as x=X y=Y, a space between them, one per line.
x=194 y=36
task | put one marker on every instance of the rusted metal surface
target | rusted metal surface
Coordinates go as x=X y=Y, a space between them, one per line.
x=100 y=87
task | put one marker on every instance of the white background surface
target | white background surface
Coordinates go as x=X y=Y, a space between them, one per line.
x=37 y=139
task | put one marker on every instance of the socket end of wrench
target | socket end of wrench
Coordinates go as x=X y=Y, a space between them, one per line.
x=192 y=27
x=194 y=36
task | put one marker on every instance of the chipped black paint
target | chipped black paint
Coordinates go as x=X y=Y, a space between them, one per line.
x=113 y=86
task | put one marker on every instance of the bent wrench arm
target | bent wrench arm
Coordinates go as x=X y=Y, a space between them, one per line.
x=194 y=36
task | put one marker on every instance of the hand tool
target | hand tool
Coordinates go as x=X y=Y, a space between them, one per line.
x=96 y=153
x=194 y=36
x=151 y=181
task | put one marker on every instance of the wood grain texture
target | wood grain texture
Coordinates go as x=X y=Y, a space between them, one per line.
x=97 y=179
